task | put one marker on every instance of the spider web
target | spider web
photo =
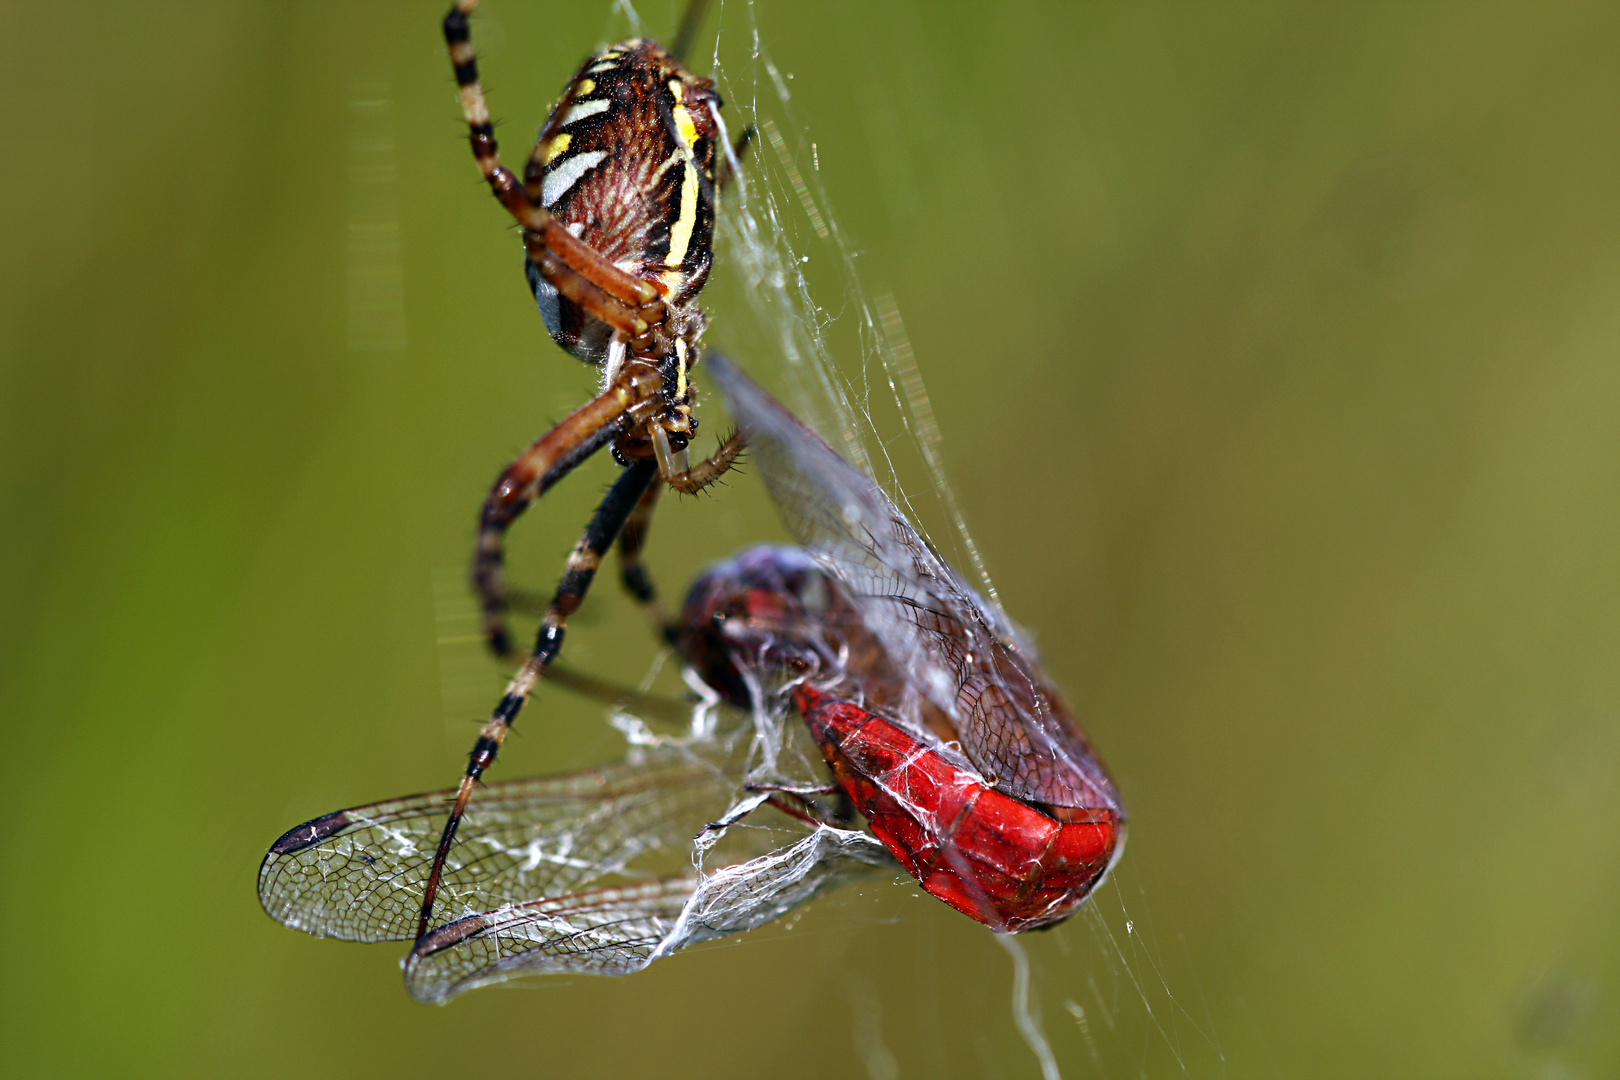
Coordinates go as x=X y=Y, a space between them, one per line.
x=775 y=220
x=779 y=224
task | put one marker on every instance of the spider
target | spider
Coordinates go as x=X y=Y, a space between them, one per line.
x=616 y=207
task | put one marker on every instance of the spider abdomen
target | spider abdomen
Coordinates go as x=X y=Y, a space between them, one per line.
x=626 y=163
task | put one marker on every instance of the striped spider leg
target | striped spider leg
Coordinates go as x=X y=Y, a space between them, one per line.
x=616 y=208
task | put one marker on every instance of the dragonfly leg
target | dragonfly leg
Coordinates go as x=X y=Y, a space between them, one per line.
x=811 y=812
x=583 y=562
x=796 y=802
x=798 y=791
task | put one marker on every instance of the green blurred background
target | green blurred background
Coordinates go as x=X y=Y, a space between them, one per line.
x=1277 y=354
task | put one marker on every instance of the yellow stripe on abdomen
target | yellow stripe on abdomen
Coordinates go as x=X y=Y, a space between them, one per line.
x=680 y=233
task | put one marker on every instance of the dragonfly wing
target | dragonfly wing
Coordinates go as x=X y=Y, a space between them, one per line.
x=358 y=874
x=961 y=651
x=606 y=931
x=617 y=930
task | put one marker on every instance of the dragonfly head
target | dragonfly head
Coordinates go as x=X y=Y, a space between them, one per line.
x=767 y=616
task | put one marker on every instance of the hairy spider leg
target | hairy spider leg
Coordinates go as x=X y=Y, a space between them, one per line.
x=632 y=571
x=603 y=530
x=691 y=479
x=623 y=407
x=634 y=396
x=633 y=577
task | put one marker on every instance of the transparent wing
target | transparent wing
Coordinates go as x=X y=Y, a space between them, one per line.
x=589 y=872
x=959 y=650
x=617 y=930
x=605 y=931
x=358 y=874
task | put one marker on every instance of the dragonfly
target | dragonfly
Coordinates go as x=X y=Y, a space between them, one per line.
x=926 y=704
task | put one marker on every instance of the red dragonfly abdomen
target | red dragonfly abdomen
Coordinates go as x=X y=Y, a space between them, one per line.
x=1009 y=864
